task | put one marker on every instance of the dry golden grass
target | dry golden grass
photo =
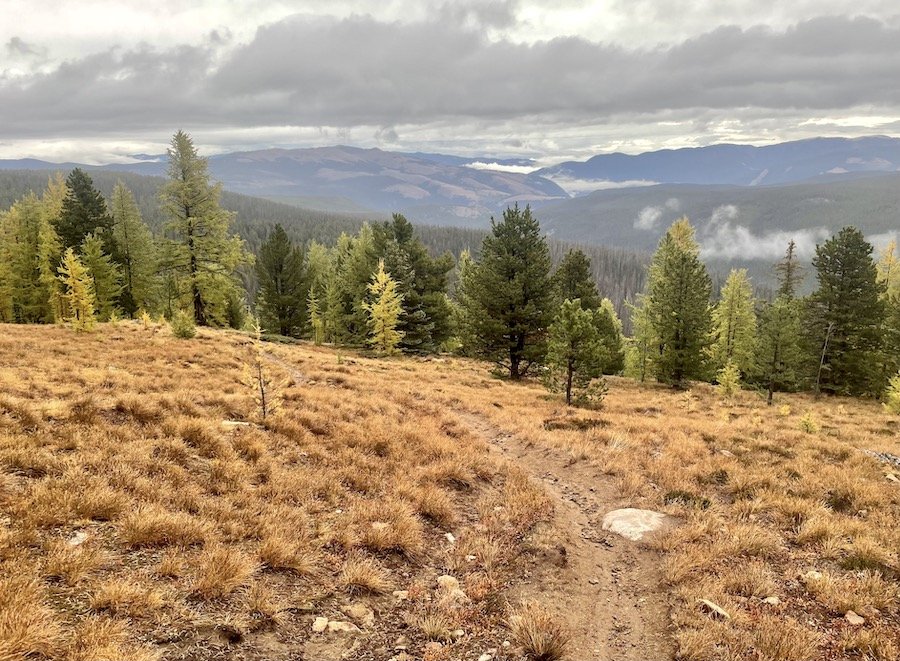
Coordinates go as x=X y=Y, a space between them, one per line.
x=541 y=636
x=201 y=519
x=761 y=499
x=147 y=510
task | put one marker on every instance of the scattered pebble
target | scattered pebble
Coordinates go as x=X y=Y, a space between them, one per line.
x=320 y=624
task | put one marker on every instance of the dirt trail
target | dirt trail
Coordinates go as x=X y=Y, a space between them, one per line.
x=606 y=588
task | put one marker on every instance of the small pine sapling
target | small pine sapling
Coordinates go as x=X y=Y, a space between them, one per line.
x=729 y=380
x=183 y=325
x=256 y=376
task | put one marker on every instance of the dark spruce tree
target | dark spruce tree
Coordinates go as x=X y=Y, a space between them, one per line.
x=281 y=297
x=678 y=305
x=421 y=279
x=509 y=294
x=573 y=280
x=83 y=212
x=843 y=317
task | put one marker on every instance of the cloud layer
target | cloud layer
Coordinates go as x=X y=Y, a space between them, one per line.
x=453 y=72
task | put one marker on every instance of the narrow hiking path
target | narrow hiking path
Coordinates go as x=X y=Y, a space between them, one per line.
x=605 y=588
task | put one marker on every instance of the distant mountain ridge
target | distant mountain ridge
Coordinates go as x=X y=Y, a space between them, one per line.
x=739 y=165
x=434 y=188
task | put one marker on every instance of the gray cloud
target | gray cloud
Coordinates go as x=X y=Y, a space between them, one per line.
x=722 y=237
x=445 y=73
x=17 y=47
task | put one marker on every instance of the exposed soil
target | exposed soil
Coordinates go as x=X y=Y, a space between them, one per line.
x=607 y=589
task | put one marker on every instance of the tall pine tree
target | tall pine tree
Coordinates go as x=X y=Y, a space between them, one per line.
x=678 y=306
x=83 y=212
x=844 y=316
x=734 y=321
x=283 y=289
x=105 y=275
x=510 y=294
x=135 y=250
x=202 y=255
x=573 y=280
x=778 y=355
x=422 y=279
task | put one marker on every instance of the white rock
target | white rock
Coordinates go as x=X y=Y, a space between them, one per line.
x=320 y=624
x=854 y=619
x=632 y=523
x=485 y=657
x=771 y=601
x=78 y=538
x=450 y=538
x=812 y=575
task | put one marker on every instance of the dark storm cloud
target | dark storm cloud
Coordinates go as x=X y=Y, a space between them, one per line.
x=305 y=71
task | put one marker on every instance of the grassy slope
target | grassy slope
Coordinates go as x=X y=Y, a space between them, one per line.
x=203 y=538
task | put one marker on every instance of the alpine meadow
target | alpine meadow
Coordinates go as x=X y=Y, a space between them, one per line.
x=483 y=331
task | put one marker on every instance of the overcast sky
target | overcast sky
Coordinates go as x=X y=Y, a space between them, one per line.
x=94 y=81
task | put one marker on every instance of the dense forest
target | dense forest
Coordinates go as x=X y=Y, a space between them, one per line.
x=618 y=273
x=81 y=250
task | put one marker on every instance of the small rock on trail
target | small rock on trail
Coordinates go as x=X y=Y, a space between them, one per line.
x=633 y=524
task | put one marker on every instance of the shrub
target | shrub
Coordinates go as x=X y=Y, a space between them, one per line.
x=183 y=325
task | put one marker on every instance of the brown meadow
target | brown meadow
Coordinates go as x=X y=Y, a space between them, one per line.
x=148 y=512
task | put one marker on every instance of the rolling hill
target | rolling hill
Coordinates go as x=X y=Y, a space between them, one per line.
x=740 y=165
x=433 y=188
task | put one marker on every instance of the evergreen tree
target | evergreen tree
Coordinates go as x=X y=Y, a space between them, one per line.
x=283 y=288
x=106 y=278
x=510 y=293
x=135 y=250
x=575 y=352
x=789 y=273
x=845 y=315
x=421 y=279
x=778 y=349
x=573 y=280
x=609 y=330
x=384 y=309
x=29 y=252
x=83 y=212
x=889 y=278
x=203 y=255
x=464 y=305
x=78 y=292
x=734 y=321
x=678 y=292
x=640 y=348
x=316 y=322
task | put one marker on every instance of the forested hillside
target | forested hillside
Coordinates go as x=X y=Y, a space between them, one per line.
x=619 y=273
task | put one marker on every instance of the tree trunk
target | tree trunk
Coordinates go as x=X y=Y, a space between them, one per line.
x=569 y=373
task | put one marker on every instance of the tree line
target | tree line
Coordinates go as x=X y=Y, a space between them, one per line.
x=527 y=305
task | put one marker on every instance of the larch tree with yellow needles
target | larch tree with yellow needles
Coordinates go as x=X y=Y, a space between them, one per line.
x=78 y=292
x=734 y=321
x=384 y=309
